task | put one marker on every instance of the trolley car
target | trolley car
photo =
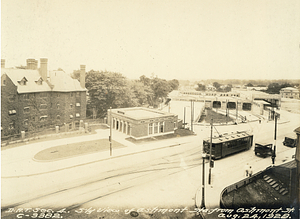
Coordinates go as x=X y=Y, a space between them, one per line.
x=227 y=144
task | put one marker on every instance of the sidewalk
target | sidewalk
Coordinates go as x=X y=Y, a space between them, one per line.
x=13 y=158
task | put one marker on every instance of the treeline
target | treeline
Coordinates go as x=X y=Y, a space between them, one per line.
x=234 y=82
x=110 y=89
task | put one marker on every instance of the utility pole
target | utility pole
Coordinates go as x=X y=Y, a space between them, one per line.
x=226 y=111
x=236 y=116
x=110 y=133
x=184 y=117
x=210 y=147
x=192 y=114
x=203 y=181
x=274 y=149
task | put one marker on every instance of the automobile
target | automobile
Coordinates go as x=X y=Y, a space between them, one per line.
x=263 y=150
x=290 y=142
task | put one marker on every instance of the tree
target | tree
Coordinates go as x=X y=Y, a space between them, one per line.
x=249 y=85
x=142 y=94
x=216 y=85
x=174 y=84
x=201 y=87
x=228 y=88
x=273 y=88
x=108 y=89
x=76 y=74
x=146 y=81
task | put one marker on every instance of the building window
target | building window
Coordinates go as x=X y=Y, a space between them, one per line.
x=71 y=94
x=43 y=106
x=150 y=128
x=25 y=122
x=71 y=116
x=57 y=106
x=11 y=126
x=58 y=117
x=161 y=127
x=58 y=95
x=78 y=94
x=39 y=82
x=77 y=104
x=26 y=96
x=4 y=82
x=23 y=81
x=43 y=118
x=26 y=109
x=77 y=115
x=12 y=98
x=71 y=106
x=12 y=112
x=155 y=128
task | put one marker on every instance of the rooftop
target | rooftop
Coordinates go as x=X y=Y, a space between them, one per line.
x=139 y=113
x=60 y=81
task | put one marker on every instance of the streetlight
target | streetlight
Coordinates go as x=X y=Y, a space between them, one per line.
x=203 y=181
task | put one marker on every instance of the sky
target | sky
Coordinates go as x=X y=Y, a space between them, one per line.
x=171 y=39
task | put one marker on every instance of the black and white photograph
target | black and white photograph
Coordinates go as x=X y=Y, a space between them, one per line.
x=149 y=109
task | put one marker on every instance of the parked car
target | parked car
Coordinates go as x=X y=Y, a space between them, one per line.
x=290 y=142
x=263 y=150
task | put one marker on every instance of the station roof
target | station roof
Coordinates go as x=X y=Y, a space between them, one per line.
x=140 y=113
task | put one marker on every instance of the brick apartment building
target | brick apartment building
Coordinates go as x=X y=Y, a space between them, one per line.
x=34 y=98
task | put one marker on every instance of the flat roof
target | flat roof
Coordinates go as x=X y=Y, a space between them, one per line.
x=140 y=113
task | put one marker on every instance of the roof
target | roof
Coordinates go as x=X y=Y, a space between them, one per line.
x=227 y=137
x=59 y=80
x=63 y=82
x=139 y=113
x=31 y=76
x=289 y=89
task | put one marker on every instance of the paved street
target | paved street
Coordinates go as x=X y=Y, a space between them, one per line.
x=164 y=174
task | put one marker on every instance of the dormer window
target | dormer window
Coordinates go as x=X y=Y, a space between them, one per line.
x=39 y=82
x=23 y=81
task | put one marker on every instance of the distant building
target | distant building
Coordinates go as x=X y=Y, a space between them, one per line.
x=210 y=88
x=140 y=122
x=289 y=92
x=33 y=98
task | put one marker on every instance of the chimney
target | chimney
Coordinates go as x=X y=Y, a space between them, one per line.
x=32 y=64
x=2 y=63
x=44 y=68
x=35 y=65
x=82 y=76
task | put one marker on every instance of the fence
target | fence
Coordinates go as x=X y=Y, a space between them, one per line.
x=42 y=133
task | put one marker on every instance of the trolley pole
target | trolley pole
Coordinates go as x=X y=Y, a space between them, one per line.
x=210 y=146
x=203 y=181
x=110 y=133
